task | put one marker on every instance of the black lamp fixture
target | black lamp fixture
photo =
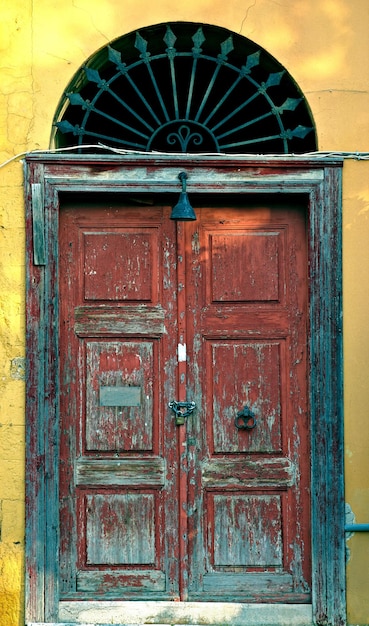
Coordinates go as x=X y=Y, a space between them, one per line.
x=183 y=211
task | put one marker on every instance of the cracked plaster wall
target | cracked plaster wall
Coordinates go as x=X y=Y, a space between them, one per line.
x=325 y=46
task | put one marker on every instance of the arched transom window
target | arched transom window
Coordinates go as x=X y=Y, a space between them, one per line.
x=185 y=87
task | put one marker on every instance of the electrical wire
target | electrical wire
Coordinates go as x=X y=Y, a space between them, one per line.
x=358 y=156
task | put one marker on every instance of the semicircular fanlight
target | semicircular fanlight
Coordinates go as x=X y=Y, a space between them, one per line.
x=185 y=87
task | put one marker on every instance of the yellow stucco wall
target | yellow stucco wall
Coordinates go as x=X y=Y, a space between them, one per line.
x=324 y=44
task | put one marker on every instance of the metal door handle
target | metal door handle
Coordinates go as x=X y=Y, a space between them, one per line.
x=245 y=419
x=182 y=410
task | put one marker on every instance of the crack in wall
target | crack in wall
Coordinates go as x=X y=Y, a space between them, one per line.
x=75 y=5
x=246 y=16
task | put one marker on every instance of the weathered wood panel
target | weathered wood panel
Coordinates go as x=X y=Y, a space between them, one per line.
x=249 y=471
x=327 y=403
x=104 y=321
x=124 y=472
x=246 y=530
x=118 y=265
x=119 y=365
x=113 y=404
x=133 y=581
x=249 y=340
x=215 y=583
x=252 y=379
x=120 y=529
x=245 y=266
x=225 y=321
x=36 y=383
x=38 y=224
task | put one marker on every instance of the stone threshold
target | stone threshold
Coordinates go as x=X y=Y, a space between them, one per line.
x=120 y=613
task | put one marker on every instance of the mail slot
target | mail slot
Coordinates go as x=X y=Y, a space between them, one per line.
x=120 y=396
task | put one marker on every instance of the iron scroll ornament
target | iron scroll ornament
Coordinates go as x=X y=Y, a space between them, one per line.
x=245 y=419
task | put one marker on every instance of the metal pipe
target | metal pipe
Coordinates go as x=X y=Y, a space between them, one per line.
x=357 y=528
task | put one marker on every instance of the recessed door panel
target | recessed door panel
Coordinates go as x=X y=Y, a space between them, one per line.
x=118 y=265
x=120 y=395
x=248 y=385
x=113 y=536
x=254 y=531
x=245 y=265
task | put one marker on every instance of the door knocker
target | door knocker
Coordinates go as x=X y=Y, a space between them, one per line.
x=245 y=419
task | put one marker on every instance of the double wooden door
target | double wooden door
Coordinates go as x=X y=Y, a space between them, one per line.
x=155 y=504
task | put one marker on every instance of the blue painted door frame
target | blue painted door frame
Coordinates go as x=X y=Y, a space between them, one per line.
x=48 y=176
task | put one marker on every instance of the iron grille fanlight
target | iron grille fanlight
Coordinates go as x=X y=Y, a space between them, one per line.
x=186 y=88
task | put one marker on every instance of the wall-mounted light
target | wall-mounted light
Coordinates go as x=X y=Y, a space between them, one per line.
x=183 y=211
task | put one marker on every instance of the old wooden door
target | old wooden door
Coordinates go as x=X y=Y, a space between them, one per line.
x=211 y=312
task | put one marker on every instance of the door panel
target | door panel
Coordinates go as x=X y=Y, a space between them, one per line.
x=255 y=537
x=252 y=378
x=135 y=257
x=249 y=488
x=108 y=542
x=214 y=312
x=233 y=252
x=119 y=395
x=118 y=475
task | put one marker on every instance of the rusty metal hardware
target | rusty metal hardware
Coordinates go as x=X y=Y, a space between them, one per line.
x=182 y=410
x=245 y=419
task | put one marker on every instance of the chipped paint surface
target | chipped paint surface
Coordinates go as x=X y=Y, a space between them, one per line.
x=18 y=368
x=227 y=316
x=123 y=522
x=190 y=613
x=190 y=556
x=119 y=484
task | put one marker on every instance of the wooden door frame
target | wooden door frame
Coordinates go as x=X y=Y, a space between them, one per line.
x=49 y=175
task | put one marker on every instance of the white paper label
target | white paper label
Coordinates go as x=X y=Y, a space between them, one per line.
x=181 y=352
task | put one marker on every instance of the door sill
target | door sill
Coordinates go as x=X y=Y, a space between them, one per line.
x=121 y=613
